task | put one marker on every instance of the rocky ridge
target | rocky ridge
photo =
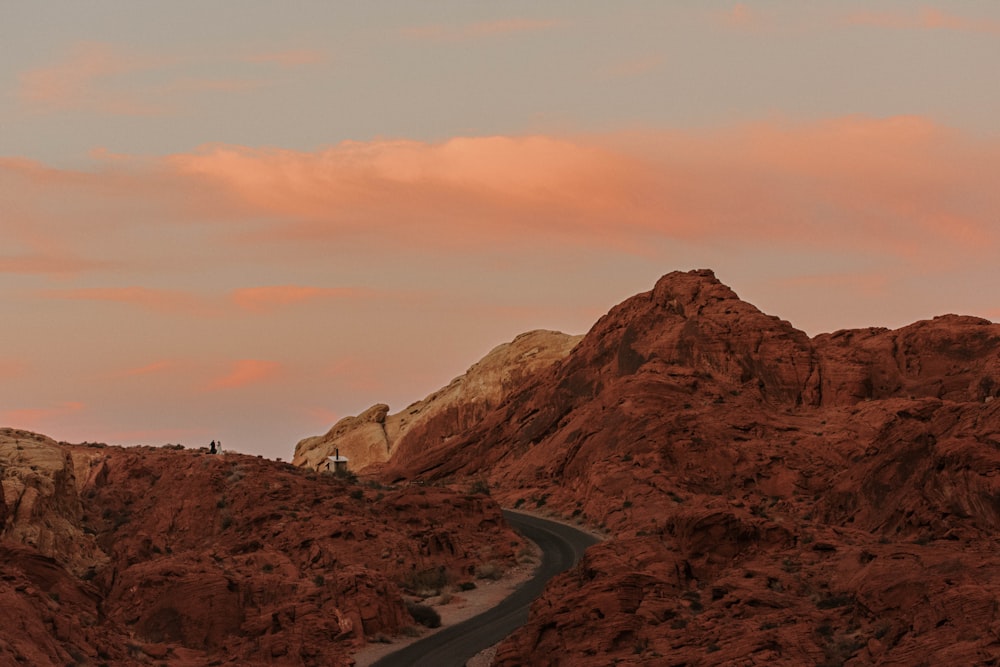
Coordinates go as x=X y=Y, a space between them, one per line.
x=159 y=556
x=772 y=498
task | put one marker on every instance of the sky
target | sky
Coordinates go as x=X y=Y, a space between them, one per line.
x=244 y=221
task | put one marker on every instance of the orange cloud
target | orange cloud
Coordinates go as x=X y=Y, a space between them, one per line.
x=738 y=16
x=50 y=265
x=926 y=18
x=439 y=32
x=453 y=193
x=245 y=372
x=895 y=185
x=902 y=186
x=250 y=299
x=77 y=82
x=94 y=77
x=156 y=300
x=38 y=418
x=259 y=299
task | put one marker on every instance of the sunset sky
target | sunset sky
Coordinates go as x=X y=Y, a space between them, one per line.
x=245 y=220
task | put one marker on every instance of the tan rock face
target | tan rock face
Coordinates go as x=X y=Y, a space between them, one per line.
x=40 y=506
x=374 y=435
x=225 y=559
x=771 y=498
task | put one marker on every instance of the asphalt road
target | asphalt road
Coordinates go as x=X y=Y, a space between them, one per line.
x=561 y=545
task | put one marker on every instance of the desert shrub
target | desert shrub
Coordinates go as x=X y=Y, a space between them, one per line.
x=426 y=582
x=479 y=488
x=424 y=615
x=489 y=570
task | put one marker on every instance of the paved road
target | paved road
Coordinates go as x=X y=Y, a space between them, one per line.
x=561 y=545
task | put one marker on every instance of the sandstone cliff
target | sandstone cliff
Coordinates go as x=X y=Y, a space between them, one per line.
x=374 y=435
x=772 y=498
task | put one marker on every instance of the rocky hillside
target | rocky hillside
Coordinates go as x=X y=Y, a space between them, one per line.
x=773 y=498
x=374 y=435
x=168 y=556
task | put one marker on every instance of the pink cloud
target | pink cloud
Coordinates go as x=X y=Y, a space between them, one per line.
x=39 y=418
x=903 y=186
x=245 y=372
x=248 y=299
x=886 y=184
x=77 y=82
x=440 y=32
x=51 y=265
x=453 y=193
x=260 y=299
x=738 y=16
x=94 y=77
x=156 y=300
x=926 y=18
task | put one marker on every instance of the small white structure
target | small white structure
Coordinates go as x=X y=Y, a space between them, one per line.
x=336 y=463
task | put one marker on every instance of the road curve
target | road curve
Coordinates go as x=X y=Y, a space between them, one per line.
x=561 y=545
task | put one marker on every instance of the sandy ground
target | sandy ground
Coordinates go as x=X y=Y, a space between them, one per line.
x=466 y=604
x=462 y=606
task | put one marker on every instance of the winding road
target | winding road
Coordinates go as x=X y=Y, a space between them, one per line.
x=561 y=545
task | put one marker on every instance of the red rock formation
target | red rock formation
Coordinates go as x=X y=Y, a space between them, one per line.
x=223 y=559
x=772 y=499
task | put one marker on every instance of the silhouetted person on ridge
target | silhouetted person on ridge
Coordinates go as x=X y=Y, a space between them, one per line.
x=211 y=449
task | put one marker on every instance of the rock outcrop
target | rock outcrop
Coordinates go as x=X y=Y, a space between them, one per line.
x=39 y=504
x=374 y=435
x=771 y=498
x=169 y=556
